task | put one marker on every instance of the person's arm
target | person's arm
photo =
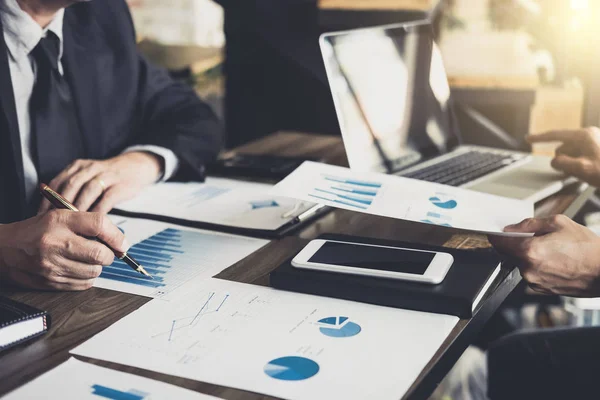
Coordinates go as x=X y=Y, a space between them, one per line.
x=173 y=117
x=56 y=250
x=562 y=258
x=170 y=121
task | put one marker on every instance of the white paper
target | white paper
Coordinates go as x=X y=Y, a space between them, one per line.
x=219 y=201
x=173 y=255
x=403 y=198
x=258 y=339
x=77 y=380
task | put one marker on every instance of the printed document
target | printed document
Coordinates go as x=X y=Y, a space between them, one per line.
x=219 y=201
x=403 y=198
x=278 y=343
x=77 y=380
x=172 y=255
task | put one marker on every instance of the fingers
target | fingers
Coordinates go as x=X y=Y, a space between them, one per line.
x=98 y=226
x=70 y=186
x=569 y=149
x=578 y=167
x=69 y=182
x=89 y=252
x=512 y=246
x=539 y=226
x=33 y=281
x=91 y=192
x=526 y=252
x=113 y=196
x=565 y=136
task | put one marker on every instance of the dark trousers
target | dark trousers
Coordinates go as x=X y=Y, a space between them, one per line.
x=548 y=364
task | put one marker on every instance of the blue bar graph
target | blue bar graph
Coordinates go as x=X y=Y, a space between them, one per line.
x=356 y=191
x=157 y=254
x=347 y=203
x=346 y=197
x=114 y=394
x=353 y=182
x=358 y=194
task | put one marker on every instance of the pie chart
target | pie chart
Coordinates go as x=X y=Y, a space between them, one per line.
x=338 y=327
x=447 y=204
x=291 y=368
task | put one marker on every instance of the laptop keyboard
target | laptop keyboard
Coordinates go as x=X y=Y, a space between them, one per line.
x=464 y=168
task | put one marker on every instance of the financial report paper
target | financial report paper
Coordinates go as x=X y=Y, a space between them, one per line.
x=77 y=380
x=283 y=344
x=402 y=198
x=219 y=201
x=172 y=255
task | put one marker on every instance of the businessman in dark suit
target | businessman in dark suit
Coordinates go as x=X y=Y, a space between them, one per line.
x=80 y=109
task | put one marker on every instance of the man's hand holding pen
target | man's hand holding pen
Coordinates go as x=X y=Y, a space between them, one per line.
x=52 y=251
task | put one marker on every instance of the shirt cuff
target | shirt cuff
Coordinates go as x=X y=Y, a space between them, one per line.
x=170 y=160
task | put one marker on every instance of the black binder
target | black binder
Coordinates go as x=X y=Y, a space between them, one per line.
x=473 y=272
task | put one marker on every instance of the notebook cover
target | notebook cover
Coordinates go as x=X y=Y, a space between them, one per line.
x=12 y=312
x=455 y=295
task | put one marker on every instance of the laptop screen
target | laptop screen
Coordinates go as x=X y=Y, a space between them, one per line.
x=391 y=95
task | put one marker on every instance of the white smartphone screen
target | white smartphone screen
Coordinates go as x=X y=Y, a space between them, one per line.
x=372 y=257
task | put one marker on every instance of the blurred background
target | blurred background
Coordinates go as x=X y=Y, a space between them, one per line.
x=526 y=65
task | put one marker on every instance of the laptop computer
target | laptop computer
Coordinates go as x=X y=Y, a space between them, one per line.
x=394 y=107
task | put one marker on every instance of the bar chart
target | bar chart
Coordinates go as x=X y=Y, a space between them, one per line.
x=115 y=394
x=174 y=256
x=354 y=193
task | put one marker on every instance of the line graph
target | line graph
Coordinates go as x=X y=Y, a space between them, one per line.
x=180 y=324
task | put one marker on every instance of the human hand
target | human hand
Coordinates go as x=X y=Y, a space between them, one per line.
x=562 y=258
x=579 y=154
x=50 y=251
x=98 y=186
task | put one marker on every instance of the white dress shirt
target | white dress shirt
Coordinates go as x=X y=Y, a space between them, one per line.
x=22 y=34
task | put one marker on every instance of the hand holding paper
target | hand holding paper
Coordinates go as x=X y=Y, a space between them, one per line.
x=403 y=198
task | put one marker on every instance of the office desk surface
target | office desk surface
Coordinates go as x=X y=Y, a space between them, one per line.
x=77 y=316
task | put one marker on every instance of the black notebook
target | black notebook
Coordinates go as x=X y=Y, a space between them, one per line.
x=20 y=322
x=468 y=280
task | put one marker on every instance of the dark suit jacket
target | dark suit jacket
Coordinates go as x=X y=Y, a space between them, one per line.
x=121 y=100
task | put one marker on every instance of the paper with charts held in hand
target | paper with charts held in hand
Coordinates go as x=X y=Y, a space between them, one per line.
x=173 y=255
x=403 y=198
x=278 y=343
x=77 y=380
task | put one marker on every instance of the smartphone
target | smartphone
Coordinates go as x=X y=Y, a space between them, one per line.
x=377 y=261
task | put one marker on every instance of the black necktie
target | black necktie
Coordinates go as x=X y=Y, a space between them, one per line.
x=56 y=138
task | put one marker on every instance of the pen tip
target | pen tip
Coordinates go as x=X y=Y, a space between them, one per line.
x=143 y=271
x=43 y=186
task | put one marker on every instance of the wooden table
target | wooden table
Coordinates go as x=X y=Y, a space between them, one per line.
x=77 y=316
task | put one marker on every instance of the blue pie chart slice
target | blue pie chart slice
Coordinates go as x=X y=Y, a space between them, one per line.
x=291 y=368
x=447 y=205
x=338 y=329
